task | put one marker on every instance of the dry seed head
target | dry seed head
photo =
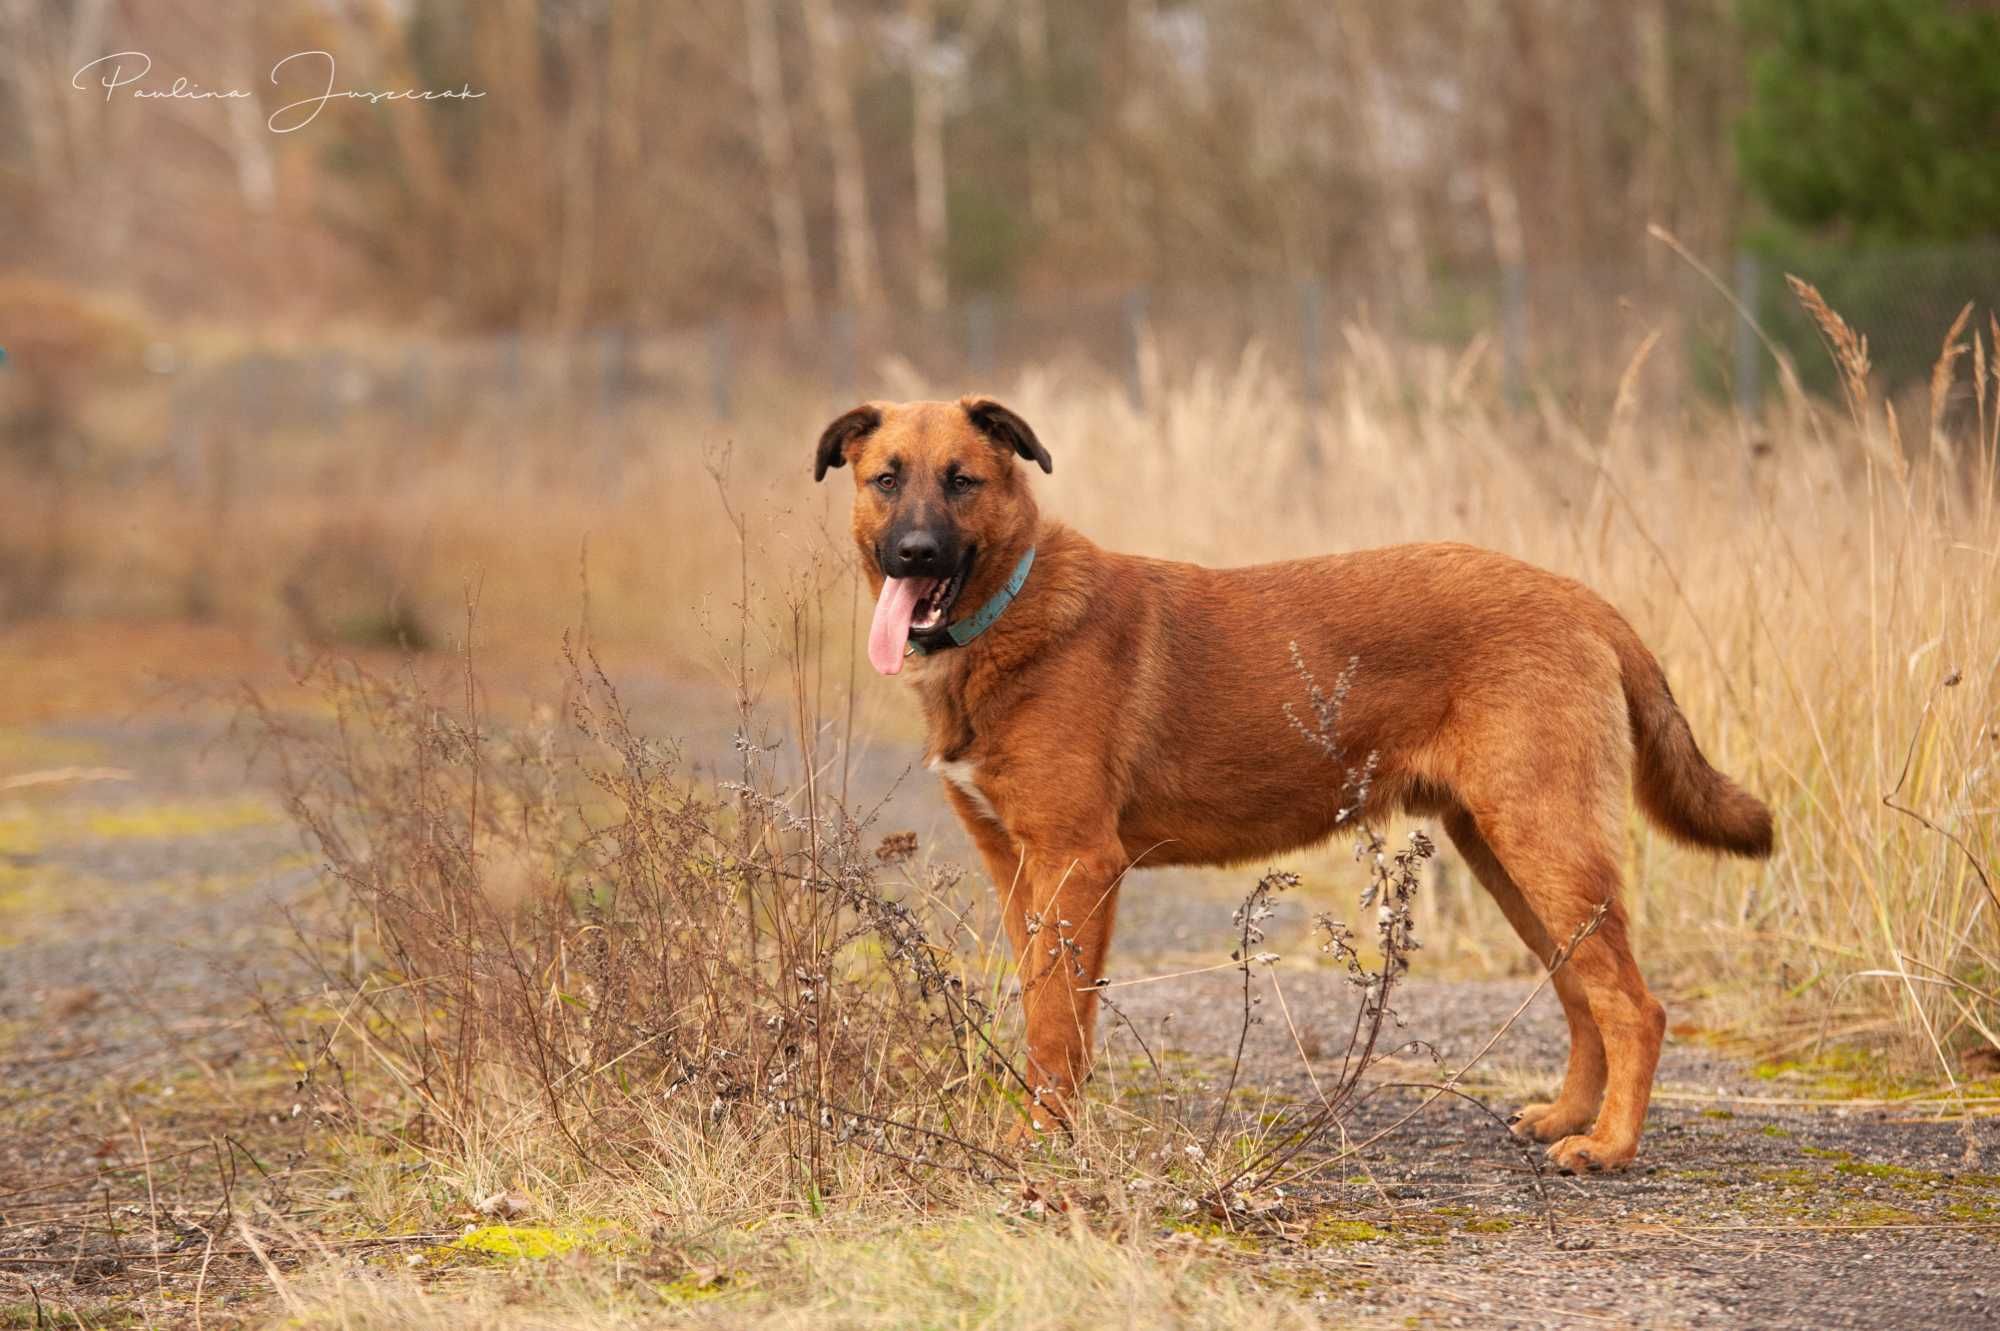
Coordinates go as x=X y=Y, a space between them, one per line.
x=1941 y=377
x=1993 y=366
x=1625 y=405
x=1850 y=349
x=1979 y=374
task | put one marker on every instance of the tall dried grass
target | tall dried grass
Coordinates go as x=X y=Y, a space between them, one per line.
x=1810 y=579
x=576 y=981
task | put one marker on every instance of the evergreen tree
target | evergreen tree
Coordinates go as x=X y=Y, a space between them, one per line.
x=1878 y=120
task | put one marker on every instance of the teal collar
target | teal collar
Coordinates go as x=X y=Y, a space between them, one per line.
x=965 y=630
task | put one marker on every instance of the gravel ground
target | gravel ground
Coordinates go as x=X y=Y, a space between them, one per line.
x=143 y=943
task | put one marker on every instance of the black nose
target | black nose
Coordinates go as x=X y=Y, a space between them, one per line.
x=920 y=555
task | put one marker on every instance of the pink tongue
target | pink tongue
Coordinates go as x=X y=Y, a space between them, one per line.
x=890 y=631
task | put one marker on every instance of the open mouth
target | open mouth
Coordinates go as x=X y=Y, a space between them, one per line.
x=935 y=600
x=908 y=606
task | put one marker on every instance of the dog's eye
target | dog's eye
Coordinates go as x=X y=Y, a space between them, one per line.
x=961 y=484
x=886 y=482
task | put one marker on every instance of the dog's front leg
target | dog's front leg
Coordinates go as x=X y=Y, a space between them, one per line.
x=1062 y=939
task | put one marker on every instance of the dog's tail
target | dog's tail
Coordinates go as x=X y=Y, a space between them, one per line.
x=1684 y=796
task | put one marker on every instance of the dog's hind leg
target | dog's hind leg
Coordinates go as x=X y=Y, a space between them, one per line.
x=1566 y=875
x=1575 y=1107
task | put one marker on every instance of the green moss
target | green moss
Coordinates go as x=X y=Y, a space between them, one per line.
x=692 y=1287
x=21 y=750
x=1718 y=1113
x=516 y=1243
x=1877 y=1213
x=1215 y=1232
x=1900 y=1172
x=20 y=834
x=1794 y=1176
x=1329 y=1231
x=1847 y=1073
x=1494 y=1225
x=104 y=1318
x=157 y=821
x=1773 y=1130
x=1311 y=1283
x=33 y=900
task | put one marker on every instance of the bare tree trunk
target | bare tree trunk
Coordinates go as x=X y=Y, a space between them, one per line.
x=35 y=107
x=1649 y=20
x=927 y=152
x=85 y=40
x=1031 y=33
x=1128 y=192
x=860 y=278
x=249 y=141
x=1490 y=67
x=774 y=130
x=44 y=50
x=1403 y=232
x=1654 y=192
x=576 y=245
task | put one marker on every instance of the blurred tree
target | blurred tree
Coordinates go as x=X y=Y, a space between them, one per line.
x=927 y=115
x=1876 y=120
x=634 y=163
x=860 y=276
x=774 y=128
x=1873 y=127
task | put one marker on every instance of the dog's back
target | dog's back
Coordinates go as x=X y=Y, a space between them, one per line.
x=1450 y=663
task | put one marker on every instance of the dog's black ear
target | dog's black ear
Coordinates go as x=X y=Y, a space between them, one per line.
x=856 y=424
x=1006 y=429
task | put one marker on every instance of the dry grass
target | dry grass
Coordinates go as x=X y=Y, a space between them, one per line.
x=647 y=1009
x=676 y=1039
x=960 y=1273
x=1809 y=579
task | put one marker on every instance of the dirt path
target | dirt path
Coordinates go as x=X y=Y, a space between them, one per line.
x=144 y=951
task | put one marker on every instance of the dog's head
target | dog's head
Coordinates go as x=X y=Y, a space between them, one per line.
x=941 y=511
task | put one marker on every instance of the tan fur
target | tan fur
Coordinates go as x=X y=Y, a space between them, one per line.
x=1127 y=710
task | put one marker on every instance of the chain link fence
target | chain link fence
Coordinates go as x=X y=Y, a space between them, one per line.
x=1563 y=331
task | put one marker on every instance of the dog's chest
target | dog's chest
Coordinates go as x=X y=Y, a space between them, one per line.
x=965 y=776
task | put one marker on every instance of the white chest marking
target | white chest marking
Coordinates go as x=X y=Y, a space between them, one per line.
x=962 y=774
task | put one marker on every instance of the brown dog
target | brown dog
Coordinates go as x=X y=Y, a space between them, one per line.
x=1117 y=707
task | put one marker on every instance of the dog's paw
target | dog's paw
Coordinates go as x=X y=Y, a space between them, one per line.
x=1591 y=1155
x=1549 y=1123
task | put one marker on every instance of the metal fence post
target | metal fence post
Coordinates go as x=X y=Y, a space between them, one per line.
x=721 y=366
x=510 y=360
x=1514 y=332
x=1311 y=299
x=979 y=336
x=1136 y=301
x=416 y=386
x=610 y=369
x=1749 y=363
x=253 y=386
x=184 y=442
x=841 y=353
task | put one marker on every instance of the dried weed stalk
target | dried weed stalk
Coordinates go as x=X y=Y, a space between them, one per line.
x=571 y=923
